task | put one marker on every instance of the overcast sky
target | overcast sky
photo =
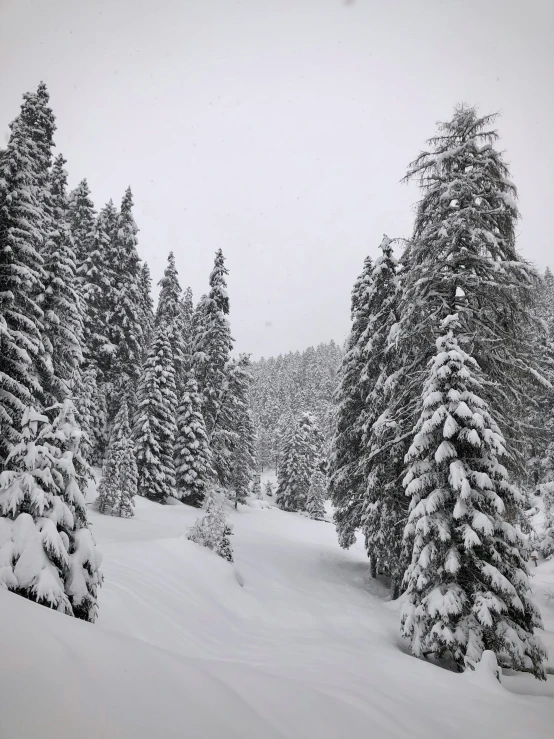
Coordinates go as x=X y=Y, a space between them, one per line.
x=279 y=130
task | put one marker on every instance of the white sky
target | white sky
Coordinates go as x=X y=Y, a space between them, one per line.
x=279 y=130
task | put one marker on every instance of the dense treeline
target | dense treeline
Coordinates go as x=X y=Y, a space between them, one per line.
x=291 y=384
x=90 y=374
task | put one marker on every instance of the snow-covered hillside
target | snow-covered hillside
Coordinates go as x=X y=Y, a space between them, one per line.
x=307 y=646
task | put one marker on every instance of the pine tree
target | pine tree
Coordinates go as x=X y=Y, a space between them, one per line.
x=462 y=262
x=467 y=583
x=22 y=354
x=269 y=489
x=346 y=480
x=384 y=507
x=146 y=306
x=213 y=530
x=244 y=458
x=98 y=291
x=193 y=459
x=125 y=330
x=296 y=469
x=118 y=485
x=170 y=313
x=82 y=219
x=315 y=504
x=154 y=426
x=48 y=550
x=213 y=343
x=60 y=302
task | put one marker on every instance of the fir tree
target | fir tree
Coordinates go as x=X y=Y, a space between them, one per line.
x=269 y=489
x=346 y=480
x=126 y=333
x=48 y=550
x=60 y=302
x=384 y=505
x=244 y=458
x=296 y=469
x=146 y=305
x=118 y=485
x=462 y=262
x=98 y=291
x=193 y=459
x=22 y=354
x=170 y=313
x=213 y=343
x=467 y=583
x=82 y=219
x=315 y=504
x=154 y=425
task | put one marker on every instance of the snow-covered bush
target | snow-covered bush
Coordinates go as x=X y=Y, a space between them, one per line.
x=213 y=530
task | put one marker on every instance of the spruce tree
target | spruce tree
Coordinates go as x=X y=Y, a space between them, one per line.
x=193 y=458
x=98 y=291
x=213 y=343
x=170 y=313
x=118 y=485
x=125 y=331
x=146 y=305
x=60 y=302
x=244 y=457
x=462 y=262
x=22 y=355
x=296 y=469
x=467 y=583
x=154 y=426
x=82 y=219
x=384 y=508
x=269 y=489
x=315 y=504
x=50 y=555
x=346 y=480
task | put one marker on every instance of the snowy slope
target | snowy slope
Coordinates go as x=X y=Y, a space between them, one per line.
x=308 y=647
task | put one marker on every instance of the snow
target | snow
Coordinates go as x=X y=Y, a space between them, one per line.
x=294 y=640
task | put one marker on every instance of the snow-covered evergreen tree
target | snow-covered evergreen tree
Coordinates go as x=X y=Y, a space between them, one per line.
x=194 y=471
x=60 y=302
x=384 y=507
x=23 y=358
x=213 y=530
x=467 y=583
x=257 y=488
x=346 y=480
x=269 y=489
x=118 y=485
x=82 y=219
x=154 y=427
x=213 y=343
x=98 y=290
x=171 y=313
x=296 y=468
x=125 y=330
x=315 y=504
x=462 y=261
x=48 y=552
x=146 y=305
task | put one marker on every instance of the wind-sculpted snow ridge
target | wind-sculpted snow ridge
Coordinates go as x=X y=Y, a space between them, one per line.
x=307 y=648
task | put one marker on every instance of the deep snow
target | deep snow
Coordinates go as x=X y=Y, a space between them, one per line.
x=307 y=647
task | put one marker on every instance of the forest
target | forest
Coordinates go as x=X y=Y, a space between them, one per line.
x=429 y=434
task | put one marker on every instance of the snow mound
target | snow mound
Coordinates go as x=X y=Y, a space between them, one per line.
x=300 y=644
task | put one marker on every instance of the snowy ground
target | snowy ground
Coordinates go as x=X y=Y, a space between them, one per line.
x=307 y=648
